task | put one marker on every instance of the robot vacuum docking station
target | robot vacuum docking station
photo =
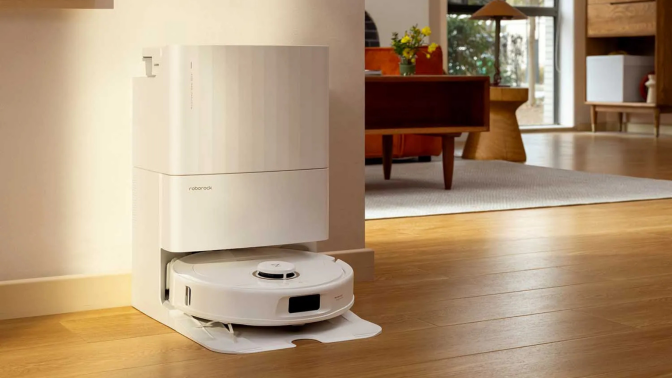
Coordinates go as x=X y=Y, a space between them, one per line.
x=212 y=193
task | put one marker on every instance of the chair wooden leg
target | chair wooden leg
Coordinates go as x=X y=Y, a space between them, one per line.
x=620 y=122
x=448 y=155
x=593 y=117
x=387 y=155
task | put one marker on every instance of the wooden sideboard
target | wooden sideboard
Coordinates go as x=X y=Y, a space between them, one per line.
x=438 y=105
x=57 y=4
x=638 y=27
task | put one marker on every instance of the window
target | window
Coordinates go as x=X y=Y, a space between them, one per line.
x=370 y=32
x=528 y=52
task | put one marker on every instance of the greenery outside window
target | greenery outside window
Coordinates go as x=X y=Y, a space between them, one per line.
x=528 y=52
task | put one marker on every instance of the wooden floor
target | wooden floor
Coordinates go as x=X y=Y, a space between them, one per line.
x=582 y=291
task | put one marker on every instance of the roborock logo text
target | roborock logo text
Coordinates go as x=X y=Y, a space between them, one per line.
x=200 y=188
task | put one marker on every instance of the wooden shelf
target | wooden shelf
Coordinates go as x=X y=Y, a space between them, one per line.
x=56 y=4
x=622 y=104
x=627 y=107
x=621 y=19
x=638 y=27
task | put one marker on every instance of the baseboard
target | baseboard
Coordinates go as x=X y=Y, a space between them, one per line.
x=57 y=295
x=546 y=129
x=643 y=128
x=361 y=261
x=630 y=127
x=600 y=126
x=582 y=127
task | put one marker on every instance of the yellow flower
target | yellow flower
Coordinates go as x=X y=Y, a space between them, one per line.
x=407 y=53
x=428 y=56
x=426 y=31
x=432 y=48
x=406 y=39
x=413 y=60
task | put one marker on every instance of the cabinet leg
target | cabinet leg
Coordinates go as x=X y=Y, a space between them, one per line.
x=593 y=117
x=387 y=156
x=448 y=155
x=656 y=122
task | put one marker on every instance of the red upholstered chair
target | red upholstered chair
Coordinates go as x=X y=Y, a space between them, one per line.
x=385 y=60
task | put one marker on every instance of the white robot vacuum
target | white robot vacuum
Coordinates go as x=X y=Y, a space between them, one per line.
x=230 y=155
x=261 y=287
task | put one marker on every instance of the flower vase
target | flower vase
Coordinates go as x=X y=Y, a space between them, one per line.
x=407 y=66
x=651 y=85
x=406 y=69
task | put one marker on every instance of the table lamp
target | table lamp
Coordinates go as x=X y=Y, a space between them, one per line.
x=498 y=10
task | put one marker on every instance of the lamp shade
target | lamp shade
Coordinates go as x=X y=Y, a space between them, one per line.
x=498 y=9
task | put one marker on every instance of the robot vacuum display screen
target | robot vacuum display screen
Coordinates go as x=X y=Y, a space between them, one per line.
x=304 y=303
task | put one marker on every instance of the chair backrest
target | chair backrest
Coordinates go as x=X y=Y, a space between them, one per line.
x=385 y=60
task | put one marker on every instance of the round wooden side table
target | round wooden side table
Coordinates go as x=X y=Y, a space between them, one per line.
x=503 y=141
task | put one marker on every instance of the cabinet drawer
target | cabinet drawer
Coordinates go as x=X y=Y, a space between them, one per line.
x=615 y=19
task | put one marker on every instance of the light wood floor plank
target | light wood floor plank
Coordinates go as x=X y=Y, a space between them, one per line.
x=115 y=327
x=635 y=266
x=469 y=286
x=48 y=330
x=87 y=358
x=651 y=313
x=416 y=250
x=22 y=335
x=499 y=306
x=520 y=262
x=664 y=371
x=605 y=355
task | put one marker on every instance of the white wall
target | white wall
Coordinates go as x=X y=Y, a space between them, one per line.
x=65 y=119
x=572 y=50
x=397 y=15
x=547 y=42
x=438 y=21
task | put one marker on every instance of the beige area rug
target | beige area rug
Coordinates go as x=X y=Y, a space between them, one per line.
x=416 y=189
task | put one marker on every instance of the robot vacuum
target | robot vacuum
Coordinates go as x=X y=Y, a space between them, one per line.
x=260 y=286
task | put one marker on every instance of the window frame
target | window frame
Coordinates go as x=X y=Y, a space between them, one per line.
x=553 y=12
x=528 y=11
